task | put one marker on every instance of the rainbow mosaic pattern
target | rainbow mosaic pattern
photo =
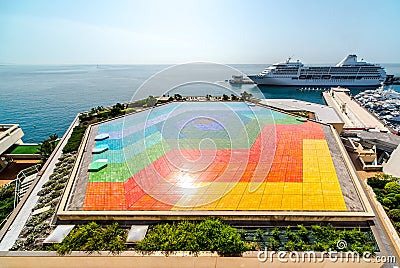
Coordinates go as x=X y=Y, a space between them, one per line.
x=214 y=156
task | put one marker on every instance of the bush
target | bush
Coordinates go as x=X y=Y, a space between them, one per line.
x=376 y=182
x=394 y=214
x=6 y=200
x=392 y=187
x=273 y=244
x=44 y=191
x=387 y=202
x=397 y=226
x=91 y=238
x=208 y=235
x=275 y=232
x=303 y=232
x=75 y=140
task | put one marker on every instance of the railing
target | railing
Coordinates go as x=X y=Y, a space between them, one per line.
x=22 y=175
x=5 y=219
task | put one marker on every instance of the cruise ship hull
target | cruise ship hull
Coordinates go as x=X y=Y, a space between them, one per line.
x=274 y=81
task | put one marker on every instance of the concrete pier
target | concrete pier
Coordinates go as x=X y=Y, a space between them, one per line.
x=354 y=116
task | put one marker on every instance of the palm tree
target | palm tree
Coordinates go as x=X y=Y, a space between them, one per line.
x=246 y=96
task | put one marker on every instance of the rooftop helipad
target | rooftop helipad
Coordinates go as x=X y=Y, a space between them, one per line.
x=211 y=157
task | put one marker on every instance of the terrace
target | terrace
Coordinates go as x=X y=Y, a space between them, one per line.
x=195 y=159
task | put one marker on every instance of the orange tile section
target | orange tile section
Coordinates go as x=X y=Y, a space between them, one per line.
x=288 y=167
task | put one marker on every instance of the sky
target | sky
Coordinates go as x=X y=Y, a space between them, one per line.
x=172 y=31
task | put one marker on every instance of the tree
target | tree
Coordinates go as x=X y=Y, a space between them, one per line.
x=246 y=96
x=225 y=97
x=48 y=146
x=116 y=110
x=177 y=97
x=151 y=101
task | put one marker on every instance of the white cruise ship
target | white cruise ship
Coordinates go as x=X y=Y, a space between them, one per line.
x=349 y=72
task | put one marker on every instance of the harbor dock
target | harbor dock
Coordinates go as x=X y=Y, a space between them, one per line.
x=354 y=116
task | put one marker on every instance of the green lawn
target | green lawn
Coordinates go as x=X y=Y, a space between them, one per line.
x=25 y=149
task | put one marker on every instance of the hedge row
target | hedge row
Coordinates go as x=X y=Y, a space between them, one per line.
x=75 y=140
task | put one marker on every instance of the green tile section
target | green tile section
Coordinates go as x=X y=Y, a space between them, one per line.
x=122 y=172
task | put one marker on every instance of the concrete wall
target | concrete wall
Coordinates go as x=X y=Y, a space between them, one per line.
x=24 y=156
x=392 y=167
x=132 y=259
x=10 y=137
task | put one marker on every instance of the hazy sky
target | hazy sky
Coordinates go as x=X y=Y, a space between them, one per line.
x=147 y=31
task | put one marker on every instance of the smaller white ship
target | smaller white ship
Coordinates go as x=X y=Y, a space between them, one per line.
x=239 y=79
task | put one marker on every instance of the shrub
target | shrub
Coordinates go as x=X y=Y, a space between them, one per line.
x=55 y=194
x=376 y=182
x=392 y=187
x=394 y=214
x=45 y=199
x=58 y=186
x=302 y=246
x=44 y=191
x=91 y=238
x=319 y=246
x=208 y=235
x=49 y=183
x=259 y=233
x=303 y=232
x=387 y=202
x=6 y=200
x=75 y=140
x=397 y=226
x=273 y=244
x=290 y=246
x=39 y=206
x=275 y=232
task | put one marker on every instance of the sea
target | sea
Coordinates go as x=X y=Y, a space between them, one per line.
x=44 y=99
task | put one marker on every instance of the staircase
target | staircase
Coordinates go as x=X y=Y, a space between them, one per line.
x=24 y=180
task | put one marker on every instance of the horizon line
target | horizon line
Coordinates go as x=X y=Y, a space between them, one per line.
x=99 y=64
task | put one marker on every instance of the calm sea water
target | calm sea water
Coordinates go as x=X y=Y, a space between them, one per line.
x=45 y=99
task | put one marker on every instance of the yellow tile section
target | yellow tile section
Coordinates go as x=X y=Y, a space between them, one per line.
x=319 y=191
x=250 y=202
x=229 y=202
x=293 y=188
x=274 y=188
x=313 y=202
x=321 y=188
x=271 y=202
x=292 y=202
